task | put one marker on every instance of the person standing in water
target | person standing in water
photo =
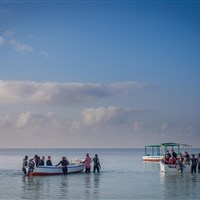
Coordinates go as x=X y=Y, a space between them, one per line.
x=97 y=165
x=64 y=162
x=87 y=162
x=25 y=165
x=193 y=164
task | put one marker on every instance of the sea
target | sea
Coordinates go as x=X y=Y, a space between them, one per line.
x=123 y=176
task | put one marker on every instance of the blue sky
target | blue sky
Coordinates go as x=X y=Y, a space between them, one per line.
x=99 y=73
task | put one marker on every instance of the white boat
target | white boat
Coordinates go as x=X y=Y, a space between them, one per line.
x=169 y=168
x=56 y=170
x=156 y=152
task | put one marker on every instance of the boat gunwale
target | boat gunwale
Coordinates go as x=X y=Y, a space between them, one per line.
x=57 y=167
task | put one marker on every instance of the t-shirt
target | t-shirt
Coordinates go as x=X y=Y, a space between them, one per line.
x=96 y=161
x=49 y=163
x=25 y=163
x=87 y=162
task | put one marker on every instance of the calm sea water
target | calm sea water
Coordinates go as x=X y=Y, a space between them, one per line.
x=123 y=176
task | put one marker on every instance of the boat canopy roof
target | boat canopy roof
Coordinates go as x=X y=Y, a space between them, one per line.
x=167 y=144
x=153 y=145
x=174 y=144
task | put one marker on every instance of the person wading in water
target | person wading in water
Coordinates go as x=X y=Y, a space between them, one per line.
x=97 y=165
x=64 y=162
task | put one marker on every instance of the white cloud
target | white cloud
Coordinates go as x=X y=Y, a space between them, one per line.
x=61 y=93
x=110 y=114
x=20 y=46
x=1 y=40
x=23 y=119
x=32 y=119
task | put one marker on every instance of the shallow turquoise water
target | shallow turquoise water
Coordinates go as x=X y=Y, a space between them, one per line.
x=123 y=176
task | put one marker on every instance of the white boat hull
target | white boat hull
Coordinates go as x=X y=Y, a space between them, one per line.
x=166 y=168
x=152 y=158
x=56 y=170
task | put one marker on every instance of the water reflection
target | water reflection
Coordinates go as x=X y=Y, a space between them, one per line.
x=64 y=184
x=41 y=187
x=96 y=185
x=151 y=166
x=31 y=187
x=176 y=186
x=86 y=186
x=92 y=182
x=87 y=180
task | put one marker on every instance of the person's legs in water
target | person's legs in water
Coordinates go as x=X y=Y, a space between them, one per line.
x=64 y=169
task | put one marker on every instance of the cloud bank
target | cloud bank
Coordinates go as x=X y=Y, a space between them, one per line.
x=76 y=121
x=62 y=93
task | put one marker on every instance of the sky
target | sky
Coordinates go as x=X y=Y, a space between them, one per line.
x=95 y=74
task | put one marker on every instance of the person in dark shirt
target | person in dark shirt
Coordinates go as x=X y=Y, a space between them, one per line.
x=186 y=157
x=25 y=165
x=174 y=153
x=167 y=157
x=49 y=162
x=97 y=165
x=193 y=164
x=64 y=162
x=180 y=163
x=42 y=160
x=31 y=165
x=37 y=160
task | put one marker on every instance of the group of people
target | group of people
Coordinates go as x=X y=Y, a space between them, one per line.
x=170 y=158
x=184 y=159
x=88 y=162
x=36 y=161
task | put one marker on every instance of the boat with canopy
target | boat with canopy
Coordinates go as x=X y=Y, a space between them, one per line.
x=156 y=152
